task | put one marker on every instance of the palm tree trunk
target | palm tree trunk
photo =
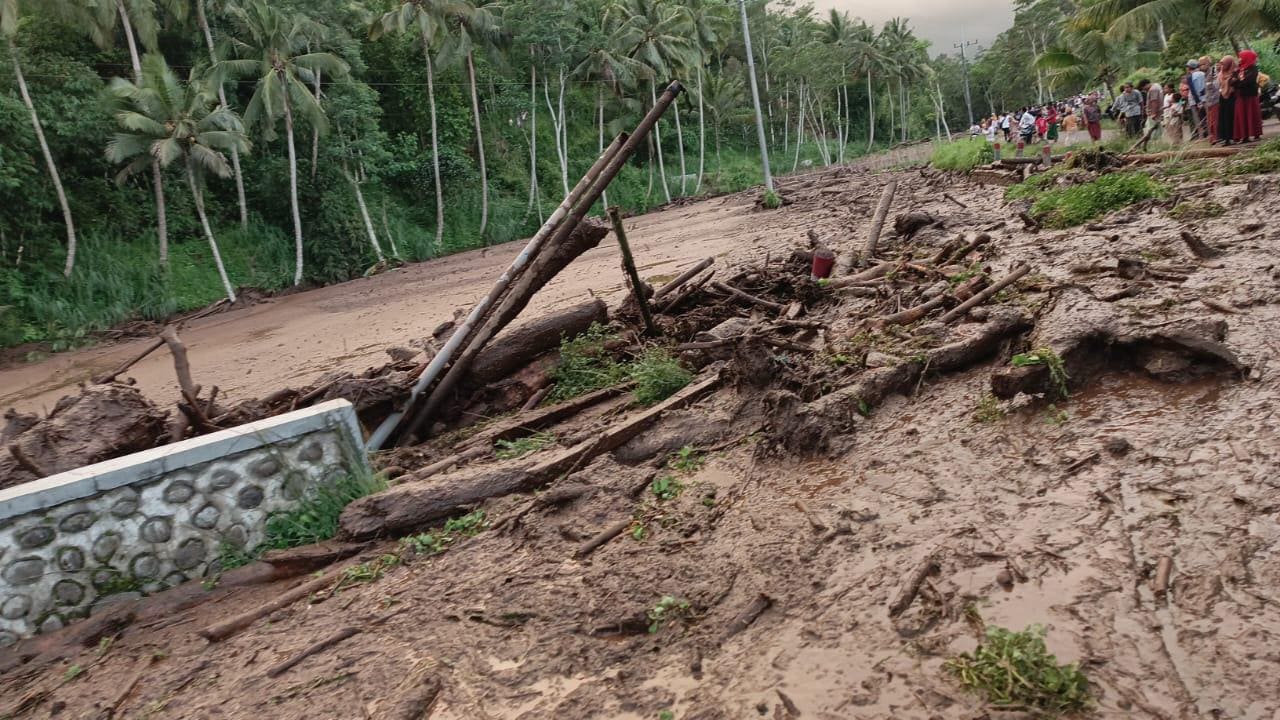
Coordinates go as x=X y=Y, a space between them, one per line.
x=48 y=161
x=702 y=134
x=157 y=174
x=799 y=129
x=533 y=142
x=203 y=22
x=484 y=169
x=786 y=119
x=755 y=97
x=675 y=110
x=871 y=114
x=364 y=214
x=208 y=232
x=848 y=123
x=657 y=141
x=315 y=136
x=293 y=190
x=435 y=143
x=386 y=229
x=557 y=122
x=604 y=196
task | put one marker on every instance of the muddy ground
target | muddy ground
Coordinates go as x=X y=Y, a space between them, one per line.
x=1051 y=512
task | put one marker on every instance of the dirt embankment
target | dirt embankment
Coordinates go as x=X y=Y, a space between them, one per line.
x=1125 y=499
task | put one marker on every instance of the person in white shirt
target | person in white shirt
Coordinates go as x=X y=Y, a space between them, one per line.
x=1027 y=126
x=992 y=129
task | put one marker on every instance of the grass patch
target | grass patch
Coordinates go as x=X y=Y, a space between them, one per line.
x=657 y=375
x=667 y=609
x=1266 y=159
x=1015 y=669
x=1050 y=359
x=1197 y=210
x=666 y=487
x=314 y=520
x=513 y=449
x=989 y=410
x=1031 y=188
x=1067 y=207
x=962 y=155
x=686 y=460
x=432 y=543
x=771 y=200
x=586 y=365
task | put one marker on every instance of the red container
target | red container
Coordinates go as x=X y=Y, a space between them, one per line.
x=823 y=261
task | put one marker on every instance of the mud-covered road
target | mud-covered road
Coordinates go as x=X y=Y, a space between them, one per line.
x=1034 y=511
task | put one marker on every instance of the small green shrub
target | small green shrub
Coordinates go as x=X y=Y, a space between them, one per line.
x=686 y=460
x=658 y=375
x=668 y=608
x=962 y=155
x=666 y=487
x=1031 y=188
x=315 y=519
x=771 y=200
x=431 y=543
x=585 y=365
x=1016 y=669
x=1067 y=207
x=513 y=449
x=1051 y=360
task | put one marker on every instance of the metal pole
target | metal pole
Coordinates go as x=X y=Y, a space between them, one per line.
x=755 y=97
x=629 y=264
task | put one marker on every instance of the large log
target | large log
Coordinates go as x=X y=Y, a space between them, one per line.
x=412 y=505
x=516 y=347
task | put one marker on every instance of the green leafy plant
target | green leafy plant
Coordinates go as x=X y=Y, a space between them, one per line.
x=1055 y=415
x=586 y=365
x=315 y=517
x=686 y=460
x=666 y=487
x=666 y=715
x=1013 y=669
x=658 y=375
x=1048 y=358
x=989 y=410
x=371 y=571
x=771 y=200
x=513 y=449
x=667 y=609
x=72 y=673
x=431 y=543
x=1070 y=206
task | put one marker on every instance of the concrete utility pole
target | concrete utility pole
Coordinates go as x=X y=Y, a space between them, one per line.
x=755 y=97
x=964 y=68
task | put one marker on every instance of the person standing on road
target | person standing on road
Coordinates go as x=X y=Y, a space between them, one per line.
x=1027 y=126
x=1195 y=83
x=1248 y=104
x=1227 y=100
x=1093 y=117
x=1006 y=124
x=1154 y=103
x=1129 y=107
x=1212 y=94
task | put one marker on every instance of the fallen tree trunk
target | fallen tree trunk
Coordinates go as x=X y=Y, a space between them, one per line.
x=964 y=307
x=515 y=348
x=682 y=278
x=910 y=315
x=1201 y=154
x=877 y=223
x=413 y=505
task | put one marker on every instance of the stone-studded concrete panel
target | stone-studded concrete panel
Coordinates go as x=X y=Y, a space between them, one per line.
x=77 y=547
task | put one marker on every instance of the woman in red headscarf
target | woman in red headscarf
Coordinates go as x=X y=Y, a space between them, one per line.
x=1248 y=104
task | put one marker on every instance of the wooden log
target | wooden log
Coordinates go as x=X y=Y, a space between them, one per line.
x=964 y=307
x=536 y=399
x=682 y=278
x=181 y=365
x=107 y=377
x=633 y=275
x=602 y=537
x=944 y=253
x=226 y=628
x=731 y=290
x=516 y=347
x=911 y=588
x=749 y=614
x=441 y=465
x=978 y=241
x=1198 y=247
x=528 y=423
x=910 y=315
x=950 y=197
x=412 y=505
x=1164 y=570
x=692 y=289
x=873 y=273
x=284 y=666
x=877 y=223
x=1198 y=154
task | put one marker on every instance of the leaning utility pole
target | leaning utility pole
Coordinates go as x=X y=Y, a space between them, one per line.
x=755 y=97
x=964 y=68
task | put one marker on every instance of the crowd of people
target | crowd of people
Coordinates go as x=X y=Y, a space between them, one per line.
x=1220 y=102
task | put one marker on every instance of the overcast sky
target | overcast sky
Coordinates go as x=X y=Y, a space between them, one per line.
x=941 y=22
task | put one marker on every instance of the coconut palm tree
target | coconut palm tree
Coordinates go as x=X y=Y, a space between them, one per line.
x=165 y=121
x=755 y=98
x=868 y=60
x=609 y=68
x=1085 y=56
x=478 y=24
x=271 y=45
x=656 y=34
x=711 y=23
x=1124 y=19
x=202 y=21
x=428 y=19
x=9 y=19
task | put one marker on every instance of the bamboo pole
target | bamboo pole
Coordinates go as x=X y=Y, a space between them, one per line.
x=629 y=264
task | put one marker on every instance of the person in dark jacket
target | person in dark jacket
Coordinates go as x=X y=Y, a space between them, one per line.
x=1227 y=100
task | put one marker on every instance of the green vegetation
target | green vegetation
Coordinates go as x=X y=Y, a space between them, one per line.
x=1048 y=358
x=1197 y=210
x=367 y=572
x=686 y=460
x=1032 y=187
x=666 y=487
x=1015 y=670
x=962 y=155
x=313 y=520
x=432 y=543
x=657 y=375
x=989 y=410
x=771 y=200
x=1053 y=415
x=513 y=449
x=1264 y=160
x=72 y=673
x=587 y=365
x=1070 y=206
x=667 y=609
